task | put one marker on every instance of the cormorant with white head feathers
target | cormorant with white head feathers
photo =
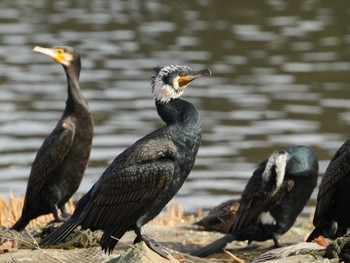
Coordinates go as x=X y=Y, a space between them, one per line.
x=140 y=181
x=272 y=199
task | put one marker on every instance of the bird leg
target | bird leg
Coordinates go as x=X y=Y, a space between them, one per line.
x=58 y=218
x=151 y=243
x=275 y=240
x=64 y=211
x=333 y=229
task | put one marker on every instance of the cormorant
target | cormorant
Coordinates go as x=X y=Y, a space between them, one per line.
x=60 y=162
x=272 y=199
x=140 y=181
x=332 y=215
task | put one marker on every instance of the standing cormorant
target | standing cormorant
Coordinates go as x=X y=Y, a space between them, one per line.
x=60 y=163
x=272 y=199
x=332 y=215
x=143 y=178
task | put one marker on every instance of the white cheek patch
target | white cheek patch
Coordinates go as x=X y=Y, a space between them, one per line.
x=267 y=219
x=67 y=59
x=176 y=83
x=163 y=92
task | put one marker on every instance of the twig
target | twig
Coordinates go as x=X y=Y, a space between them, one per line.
x=233 y=256
x=34 y=244
x=119 y=240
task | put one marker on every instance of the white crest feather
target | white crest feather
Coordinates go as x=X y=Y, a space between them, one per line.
x=279 y=161
x=164 y=92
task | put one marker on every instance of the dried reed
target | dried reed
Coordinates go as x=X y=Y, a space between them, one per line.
x=11 y=209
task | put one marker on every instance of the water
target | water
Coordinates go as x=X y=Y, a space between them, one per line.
x=280 y=78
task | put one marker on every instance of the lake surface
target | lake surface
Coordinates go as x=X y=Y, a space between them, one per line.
x=280 y=78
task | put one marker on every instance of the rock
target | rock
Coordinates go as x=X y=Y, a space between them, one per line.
x=301 y=259
x=141 y=253
x=288 y=251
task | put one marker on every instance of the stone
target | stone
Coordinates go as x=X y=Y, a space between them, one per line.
x=141 y=253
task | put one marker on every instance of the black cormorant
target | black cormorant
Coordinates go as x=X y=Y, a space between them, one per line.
x=140 y=181
x=272 y=199
x=332 y=215
x=60 y=163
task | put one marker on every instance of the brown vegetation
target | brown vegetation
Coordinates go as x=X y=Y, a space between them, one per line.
x=11 y=209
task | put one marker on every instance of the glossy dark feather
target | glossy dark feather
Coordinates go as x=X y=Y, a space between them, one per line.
x=49 y=157
x=336 y=171
x=332 y=217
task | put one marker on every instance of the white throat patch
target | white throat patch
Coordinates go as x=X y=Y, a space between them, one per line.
x=163 y=92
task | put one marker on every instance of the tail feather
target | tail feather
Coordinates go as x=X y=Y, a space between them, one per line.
x=319 y=230
x=111 y=237
x=60 y=233
x=214 y=246
x=21 y=223
x=81 y=210
x=314 y=234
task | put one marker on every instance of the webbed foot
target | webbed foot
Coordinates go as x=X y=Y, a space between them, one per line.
x=152 y=244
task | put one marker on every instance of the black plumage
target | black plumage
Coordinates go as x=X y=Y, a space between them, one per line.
x=273 y=198
x=143 y=179
x=332 y=216
x=60 y=163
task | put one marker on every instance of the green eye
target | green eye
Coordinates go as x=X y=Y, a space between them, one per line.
x=182 y=74
x=59 y=51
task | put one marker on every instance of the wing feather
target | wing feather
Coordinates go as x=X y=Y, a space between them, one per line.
x=337 y=170
x=256 y=199
x=49 y=157
x=125 y=191
x=129 y=192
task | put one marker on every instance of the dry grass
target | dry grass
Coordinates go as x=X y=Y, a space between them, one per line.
x=174 y=216
x=11 y=209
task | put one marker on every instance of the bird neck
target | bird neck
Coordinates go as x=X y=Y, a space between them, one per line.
x=179 y=112
x=75 y=97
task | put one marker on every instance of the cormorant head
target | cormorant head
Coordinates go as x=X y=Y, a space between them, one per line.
x=62 y=54
x=275 y=170
x=170 y=82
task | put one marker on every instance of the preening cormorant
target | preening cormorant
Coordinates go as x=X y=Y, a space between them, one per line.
x=332 y=214
x=140 y=181
x=272 y=199
x=60 y=162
